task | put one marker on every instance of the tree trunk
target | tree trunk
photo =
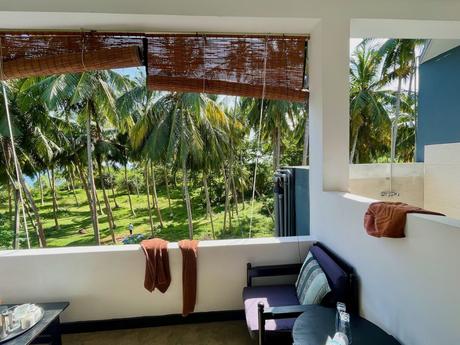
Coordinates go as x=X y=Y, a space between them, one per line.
x=278 y=147
x=113 y=190
x=149 y=209
x=53 y=197
x=414 y=72
x=353 y=147
x=155 y=196
x=84 y=184
x=30 y=198
x=394 y=131
x=167 y=191
x=108 y=208
x=42 y=201
x=208 y=204
x=227 y=199
x=188 y=204
x=17 y=219
x=394 y=127
x=232 y=180
x=91 y=185
x=10 y=207
x=72 y=185
x=129 y=192
x=99 y=207
x=32 y=221
x=306 y=141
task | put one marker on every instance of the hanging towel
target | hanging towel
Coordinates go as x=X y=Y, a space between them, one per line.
x=388 y=219
x=157 y=274
x=189 y=249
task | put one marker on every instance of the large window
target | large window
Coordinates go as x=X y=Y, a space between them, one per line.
x=103 y=160
x=404 y=136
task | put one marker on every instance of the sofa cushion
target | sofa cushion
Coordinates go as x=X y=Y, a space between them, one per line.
x=271 y=296
x=336 y=277
x=311 y=285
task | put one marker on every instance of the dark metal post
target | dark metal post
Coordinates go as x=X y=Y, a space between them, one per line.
x=248 y=275
x=260 y=308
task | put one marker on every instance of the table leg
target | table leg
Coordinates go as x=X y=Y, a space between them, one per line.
x=55 y=332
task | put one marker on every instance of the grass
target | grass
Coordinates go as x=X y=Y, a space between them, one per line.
x=76 y=228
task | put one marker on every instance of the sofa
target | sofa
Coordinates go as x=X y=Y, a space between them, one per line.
x=271 y=310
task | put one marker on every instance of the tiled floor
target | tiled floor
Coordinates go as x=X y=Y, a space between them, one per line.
x=215 y=333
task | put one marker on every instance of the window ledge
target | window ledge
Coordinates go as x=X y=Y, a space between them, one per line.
x=135 y=247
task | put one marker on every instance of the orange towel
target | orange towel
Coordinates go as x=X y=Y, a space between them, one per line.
x=157 y=274
x=388 y=219
x=189 y=249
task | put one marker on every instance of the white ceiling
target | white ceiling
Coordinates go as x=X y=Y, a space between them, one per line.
x=152 y=23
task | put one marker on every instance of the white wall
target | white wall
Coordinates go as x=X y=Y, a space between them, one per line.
x=370 y=180
x=409 y=286
x=442 y=178
x=107 y=282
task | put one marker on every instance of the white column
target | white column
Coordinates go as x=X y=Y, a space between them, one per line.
x=329 y=106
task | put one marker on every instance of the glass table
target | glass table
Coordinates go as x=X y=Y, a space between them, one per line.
x=47 y=330
x=317 y=323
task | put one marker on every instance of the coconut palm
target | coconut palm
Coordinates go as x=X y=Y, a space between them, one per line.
x=171 y=131
x=278 y=115
x=38 y=140
x=140 y=102
x=93 y=94
x=399 y=64
x=368 y=104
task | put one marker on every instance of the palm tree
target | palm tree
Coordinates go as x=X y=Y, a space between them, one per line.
x=277 y=117
x=368 y=112
x=217 y=130
x=171 y=131
x=36 y=144
x=399 y=64
x=93 y=94
x=140 y=102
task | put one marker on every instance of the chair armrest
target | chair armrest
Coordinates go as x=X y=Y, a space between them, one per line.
x=270 y=271
x=285 y=312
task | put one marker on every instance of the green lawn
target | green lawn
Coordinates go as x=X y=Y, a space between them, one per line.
x=73 y=218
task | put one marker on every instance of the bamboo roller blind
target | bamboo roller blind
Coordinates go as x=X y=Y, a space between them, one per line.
x=40 y=54
x=219 y=64
x=230 y=65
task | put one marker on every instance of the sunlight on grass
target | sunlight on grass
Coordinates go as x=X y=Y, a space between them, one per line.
x=76 y=229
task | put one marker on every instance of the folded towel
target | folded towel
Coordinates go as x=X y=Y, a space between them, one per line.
x=189 y=249
x=388 y=219
x=157 y=274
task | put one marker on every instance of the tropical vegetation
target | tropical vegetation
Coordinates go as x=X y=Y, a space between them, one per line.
x=87 y=158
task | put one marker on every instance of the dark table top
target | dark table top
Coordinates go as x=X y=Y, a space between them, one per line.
x=52 y=311
x=318 y=322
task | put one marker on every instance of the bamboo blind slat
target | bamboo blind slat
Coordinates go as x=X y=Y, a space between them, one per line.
x=31 y=45
x=106 y=58
x=27 y=54
x=221 y=64
x=231 y=65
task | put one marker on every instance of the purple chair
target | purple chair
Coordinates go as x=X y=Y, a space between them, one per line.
x=271 y=310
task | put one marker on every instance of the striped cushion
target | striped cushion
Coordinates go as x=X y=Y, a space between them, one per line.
x=311 y=284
